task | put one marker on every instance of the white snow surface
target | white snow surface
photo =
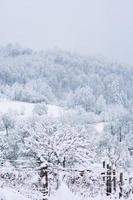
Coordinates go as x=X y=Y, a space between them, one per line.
x=26 y=109
x=65 y=194
x=62 y=194
x=55 y=111
x=99 y=127
x=20 y=108
x=10 y=194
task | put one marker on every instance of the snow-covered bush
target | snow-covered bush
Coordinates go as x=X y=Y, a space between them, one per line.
x=40 y=108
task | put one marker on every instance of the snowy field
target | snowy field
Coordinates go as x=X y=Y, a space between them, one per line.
x=62 y=194
x=10 y=194
x=26 y=109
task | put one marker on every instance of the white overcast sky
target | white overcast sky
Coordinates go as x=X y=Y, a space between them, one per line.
x=89 y=27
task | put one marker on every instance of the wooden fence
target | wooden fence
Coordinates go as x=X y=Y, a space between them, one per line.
x=112 y=181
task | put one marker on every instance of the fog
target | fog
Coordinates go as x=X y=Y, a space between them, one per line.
x=89 y=27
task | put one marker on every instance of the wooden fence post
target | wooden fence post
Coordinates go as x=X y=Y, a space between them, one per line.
x=104 y=164
x=44 y=181
x=114 y=180
x=121 y=184
x=108 y=181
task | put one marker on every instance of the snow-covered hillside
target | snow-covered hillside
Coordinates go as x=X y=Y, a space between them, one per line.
x=26 y=109
x=20 y=108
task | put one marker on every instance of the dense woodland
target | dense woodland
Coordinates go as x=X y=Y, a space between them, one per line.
x=69 y=149
x=59 y=76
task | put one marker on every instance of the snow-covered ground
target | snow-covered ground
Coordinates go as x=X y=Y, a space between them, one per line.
x=10 y=194
x=99 y=127
x=62 y=194
x=26 y=109
x=55 y=111
x=65 y=194
x=16 y=106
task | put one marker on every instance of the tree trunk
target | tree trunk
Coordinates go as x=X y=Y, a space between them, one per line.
x=64 y=162
x=7 y=134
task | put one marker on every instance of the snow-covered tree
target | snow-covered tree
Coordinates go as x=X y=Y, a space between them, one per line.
x=7 y=121
x=40 y=108
x=84 y=97
x=59 y=145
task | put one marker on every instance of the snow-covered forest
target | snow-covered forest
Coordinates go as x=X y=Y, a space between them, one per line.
x=66 y=126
